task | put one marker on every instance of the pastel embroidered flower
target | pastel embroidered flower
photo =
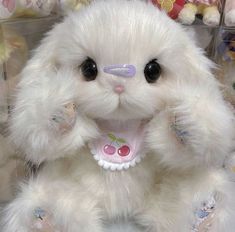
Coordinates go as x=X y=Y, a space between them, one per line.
x=39 y=213
x=204 y=216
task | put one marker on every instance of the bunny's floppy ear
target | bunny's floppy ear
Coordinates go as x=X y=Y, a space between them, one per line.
x=196 y=125
x=45 y=122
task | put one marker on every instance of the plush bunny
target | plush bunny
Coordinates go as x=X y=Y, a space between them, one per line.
x=171 y=7
x=68 y=5
x=226 y=48
x=230 y=13
x=226 y=75
x=207 y=8
x=13 y=56
x=28 y=8
x=130 y=124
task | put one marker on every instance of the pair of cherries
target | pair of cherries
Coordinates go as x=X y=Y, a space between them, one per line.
x=109 y=149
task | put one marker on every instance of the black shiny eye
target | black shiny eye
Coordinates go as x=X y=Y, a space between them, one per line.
x=89 y=69
x=152 y=71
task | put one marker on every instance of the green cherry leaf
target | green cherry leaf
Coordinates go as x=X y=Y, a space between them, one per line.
x=112 y=137
x=120 y=140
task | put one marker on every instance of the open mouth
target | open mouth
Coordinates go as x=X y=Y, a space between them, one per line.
x=120 y=145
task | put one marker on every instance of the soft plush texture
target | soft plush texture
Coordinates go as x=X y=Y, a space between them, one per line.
x=188 y=127
x=12 y=169
x=230 y=13
x=208 y=9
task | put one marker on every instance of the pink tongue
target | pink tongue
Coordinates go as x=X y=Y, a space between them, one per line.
x=120 y=143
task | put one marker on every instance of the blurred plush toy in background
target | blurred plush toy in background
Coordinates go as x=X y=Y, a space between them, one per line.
x=226 y=52
x=226 y=49
x=125 y=130
x=3 y=98
x=207 y=8
x=172 y=7
x=230 y=13
x=13 y=54
x=10 y=42
x=67 y=5
x=26 y=8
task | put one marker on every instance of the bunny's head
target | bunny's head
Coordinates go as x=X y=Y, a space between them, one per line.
x=121 y=63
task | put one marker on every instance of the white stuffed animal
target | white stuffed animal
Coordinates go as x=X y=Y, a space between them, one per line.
x=209 y=9
x=123 y=107
x=230 y=13
x=16 y=8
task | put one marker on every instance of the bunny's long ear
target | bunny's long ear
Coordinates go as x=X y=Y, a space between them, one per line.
x=196 y=125
x=45 y=123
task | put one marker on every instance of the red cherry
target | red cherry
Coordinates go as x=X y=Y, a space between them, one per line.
x=177 y=6
x=124 y=150
x=109 y=149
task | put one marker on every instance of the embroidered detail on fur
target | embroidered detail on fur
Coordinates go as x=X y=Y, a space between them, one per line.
x=65 y=118
x=205 y=216
x=181 y=135
x=42 y=222
x=39 y=213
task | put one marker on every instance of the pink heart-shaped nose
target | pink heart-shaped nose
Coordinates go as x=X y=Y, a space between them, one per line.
x=119 y=89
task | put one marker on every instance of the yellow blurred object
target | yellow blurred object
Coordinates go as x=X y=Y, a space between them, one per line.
x=13 y=57
x=233 y=168
x=74 y=4
x=10 y=41
x=209 y=12
x=168 y=5
x=25 y=13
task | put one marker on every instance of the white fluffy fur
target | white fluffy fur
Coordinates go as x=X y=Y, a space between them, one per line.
x=162 y=192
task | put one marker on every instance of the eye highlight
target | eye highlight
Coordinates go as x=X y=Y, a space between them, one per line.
x=152 y=71
x=89 y=69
